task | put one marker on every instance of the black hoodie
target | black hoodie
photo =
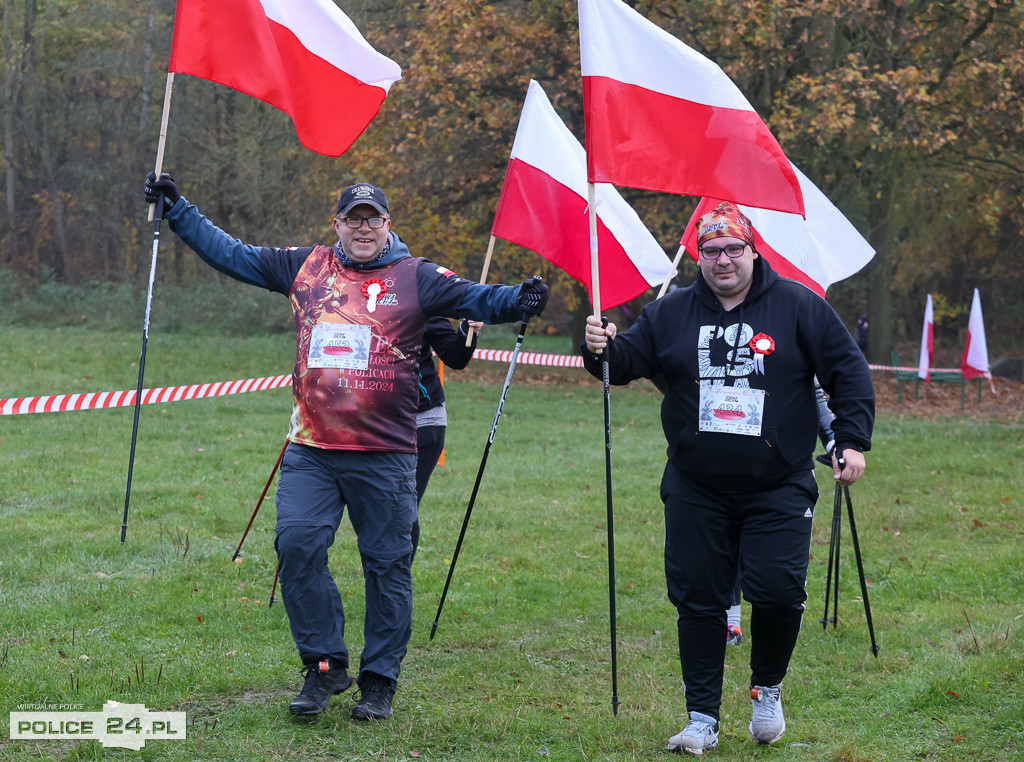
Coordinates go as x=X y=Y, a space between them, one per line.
x=807 y=339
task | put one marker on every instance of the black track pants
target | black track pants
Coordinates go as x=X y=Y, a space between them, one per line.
x=430 y=444
x=706 y=532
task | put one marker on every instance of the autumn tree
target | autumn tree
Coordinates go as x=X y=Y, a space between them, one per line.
x=907 y=114
x=910 y=112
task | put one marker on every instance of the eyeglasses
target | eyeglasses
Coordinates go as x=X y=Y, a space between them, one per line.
x=375 y=223
x=733 y=251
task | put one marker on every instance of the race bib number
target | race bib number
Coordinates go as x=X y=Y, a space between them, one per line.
x=339 y=345
x=731 y=409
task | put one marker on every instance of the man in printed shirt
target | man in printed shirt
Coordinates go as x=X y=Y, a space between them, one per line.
x=360 y=309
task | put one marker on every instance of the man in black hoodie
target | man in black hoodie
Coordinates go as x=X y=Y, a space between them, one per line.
x=738 y=352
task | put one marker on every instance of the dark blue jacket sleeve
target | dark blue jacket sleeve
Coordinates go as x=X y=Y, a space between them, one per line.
x=449 y=343
x=215 y=247
x=442 y=292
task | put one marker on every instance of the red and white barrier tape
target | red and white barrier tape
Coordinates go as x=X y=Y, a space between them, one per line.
x=98 y=400
x=529 y=358
x=915 y=368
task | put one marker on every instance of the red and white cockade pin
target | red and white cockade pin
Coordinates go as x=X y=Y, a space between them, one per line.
x=372 y=289
x=763 y=345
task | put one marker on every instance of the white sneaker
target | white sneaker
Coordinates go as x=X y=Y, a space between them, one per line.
x=768 y=723
x=700 y=734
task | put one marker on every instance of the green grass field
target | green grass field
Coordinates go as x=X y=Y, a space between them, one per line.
x=520 y=667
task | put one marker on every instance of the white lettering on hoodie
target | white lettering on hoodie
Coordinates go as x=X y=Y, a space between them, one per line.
x=739 y=356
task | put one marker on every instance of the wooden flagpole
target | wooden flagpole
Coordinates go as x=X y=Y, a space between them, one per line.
x=675 y=266
x=483 y=279
x=163 y=136
x=595 y=280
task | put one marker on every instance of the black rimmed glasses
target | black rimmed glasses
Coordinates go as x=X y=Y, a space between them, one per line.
x=733 y=251
x=375 y=223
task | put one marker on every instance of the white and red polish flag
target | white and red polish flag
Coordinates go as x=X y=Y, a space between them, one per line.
x=924 y=365
x=543 y=207
x=817 y=250
x=661 y=116
x=305 y=57
x=974 y=362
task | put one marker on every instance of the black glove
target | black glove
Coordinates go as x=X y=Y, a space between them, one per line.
x=825 y=458
x=165 y=184
x=533 y=296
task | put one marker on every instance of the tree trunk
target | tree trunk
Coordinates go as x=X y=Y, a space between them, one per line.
x=9 y=106
x=147 y=84
x=59 y=249
x=880 y=273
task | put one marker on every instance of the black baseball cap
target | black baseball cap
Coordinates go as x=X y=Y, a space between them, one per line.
x=362 y=193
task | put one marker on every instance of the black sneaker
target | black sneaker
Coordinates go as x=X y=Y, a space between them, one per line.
x=322 y=682
x=374 y=699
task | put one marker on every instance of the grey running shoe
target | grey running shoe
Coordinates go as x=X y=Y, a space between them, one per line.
x=322 y=682
x=768 y=724
x=699 y=735
x=733 y=635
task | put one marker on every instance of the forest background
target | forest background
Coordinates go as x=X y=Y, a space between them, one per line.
x=907 y=114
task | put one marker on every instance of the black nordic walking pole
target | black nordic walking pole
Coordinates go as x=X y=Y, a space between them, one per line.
x=833 y=561
x=860 y=571
x=156 y=213
x=480 y=471
x=833 y=570
x=610 y=518
x=159 y=214
x=259 y=502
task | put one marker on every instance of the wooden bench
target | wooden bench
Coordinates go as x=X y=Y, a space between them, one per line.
x=940 y=376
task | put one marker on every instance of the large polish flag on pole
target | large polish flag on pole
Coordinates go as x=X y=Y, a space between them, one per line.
x=974 y=363
x=543 y=207
x=817 y=250
x=304 y=57
x=924 y=365
x=661 y=116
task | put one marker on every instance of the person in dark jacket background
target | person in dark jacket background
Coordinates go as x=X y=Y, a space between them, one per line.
x=738 y=351
x=449 y=343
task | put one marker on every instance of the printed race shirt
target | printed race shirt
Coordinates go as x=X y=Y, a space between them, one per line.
x=355 y=376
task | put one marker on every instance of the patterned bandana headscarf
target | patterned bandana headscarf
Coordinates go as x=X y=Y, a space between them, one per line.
x=724 y=221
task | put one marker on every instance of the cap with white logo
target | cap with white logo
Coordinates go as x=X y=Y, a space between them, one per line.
x=362 y=193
